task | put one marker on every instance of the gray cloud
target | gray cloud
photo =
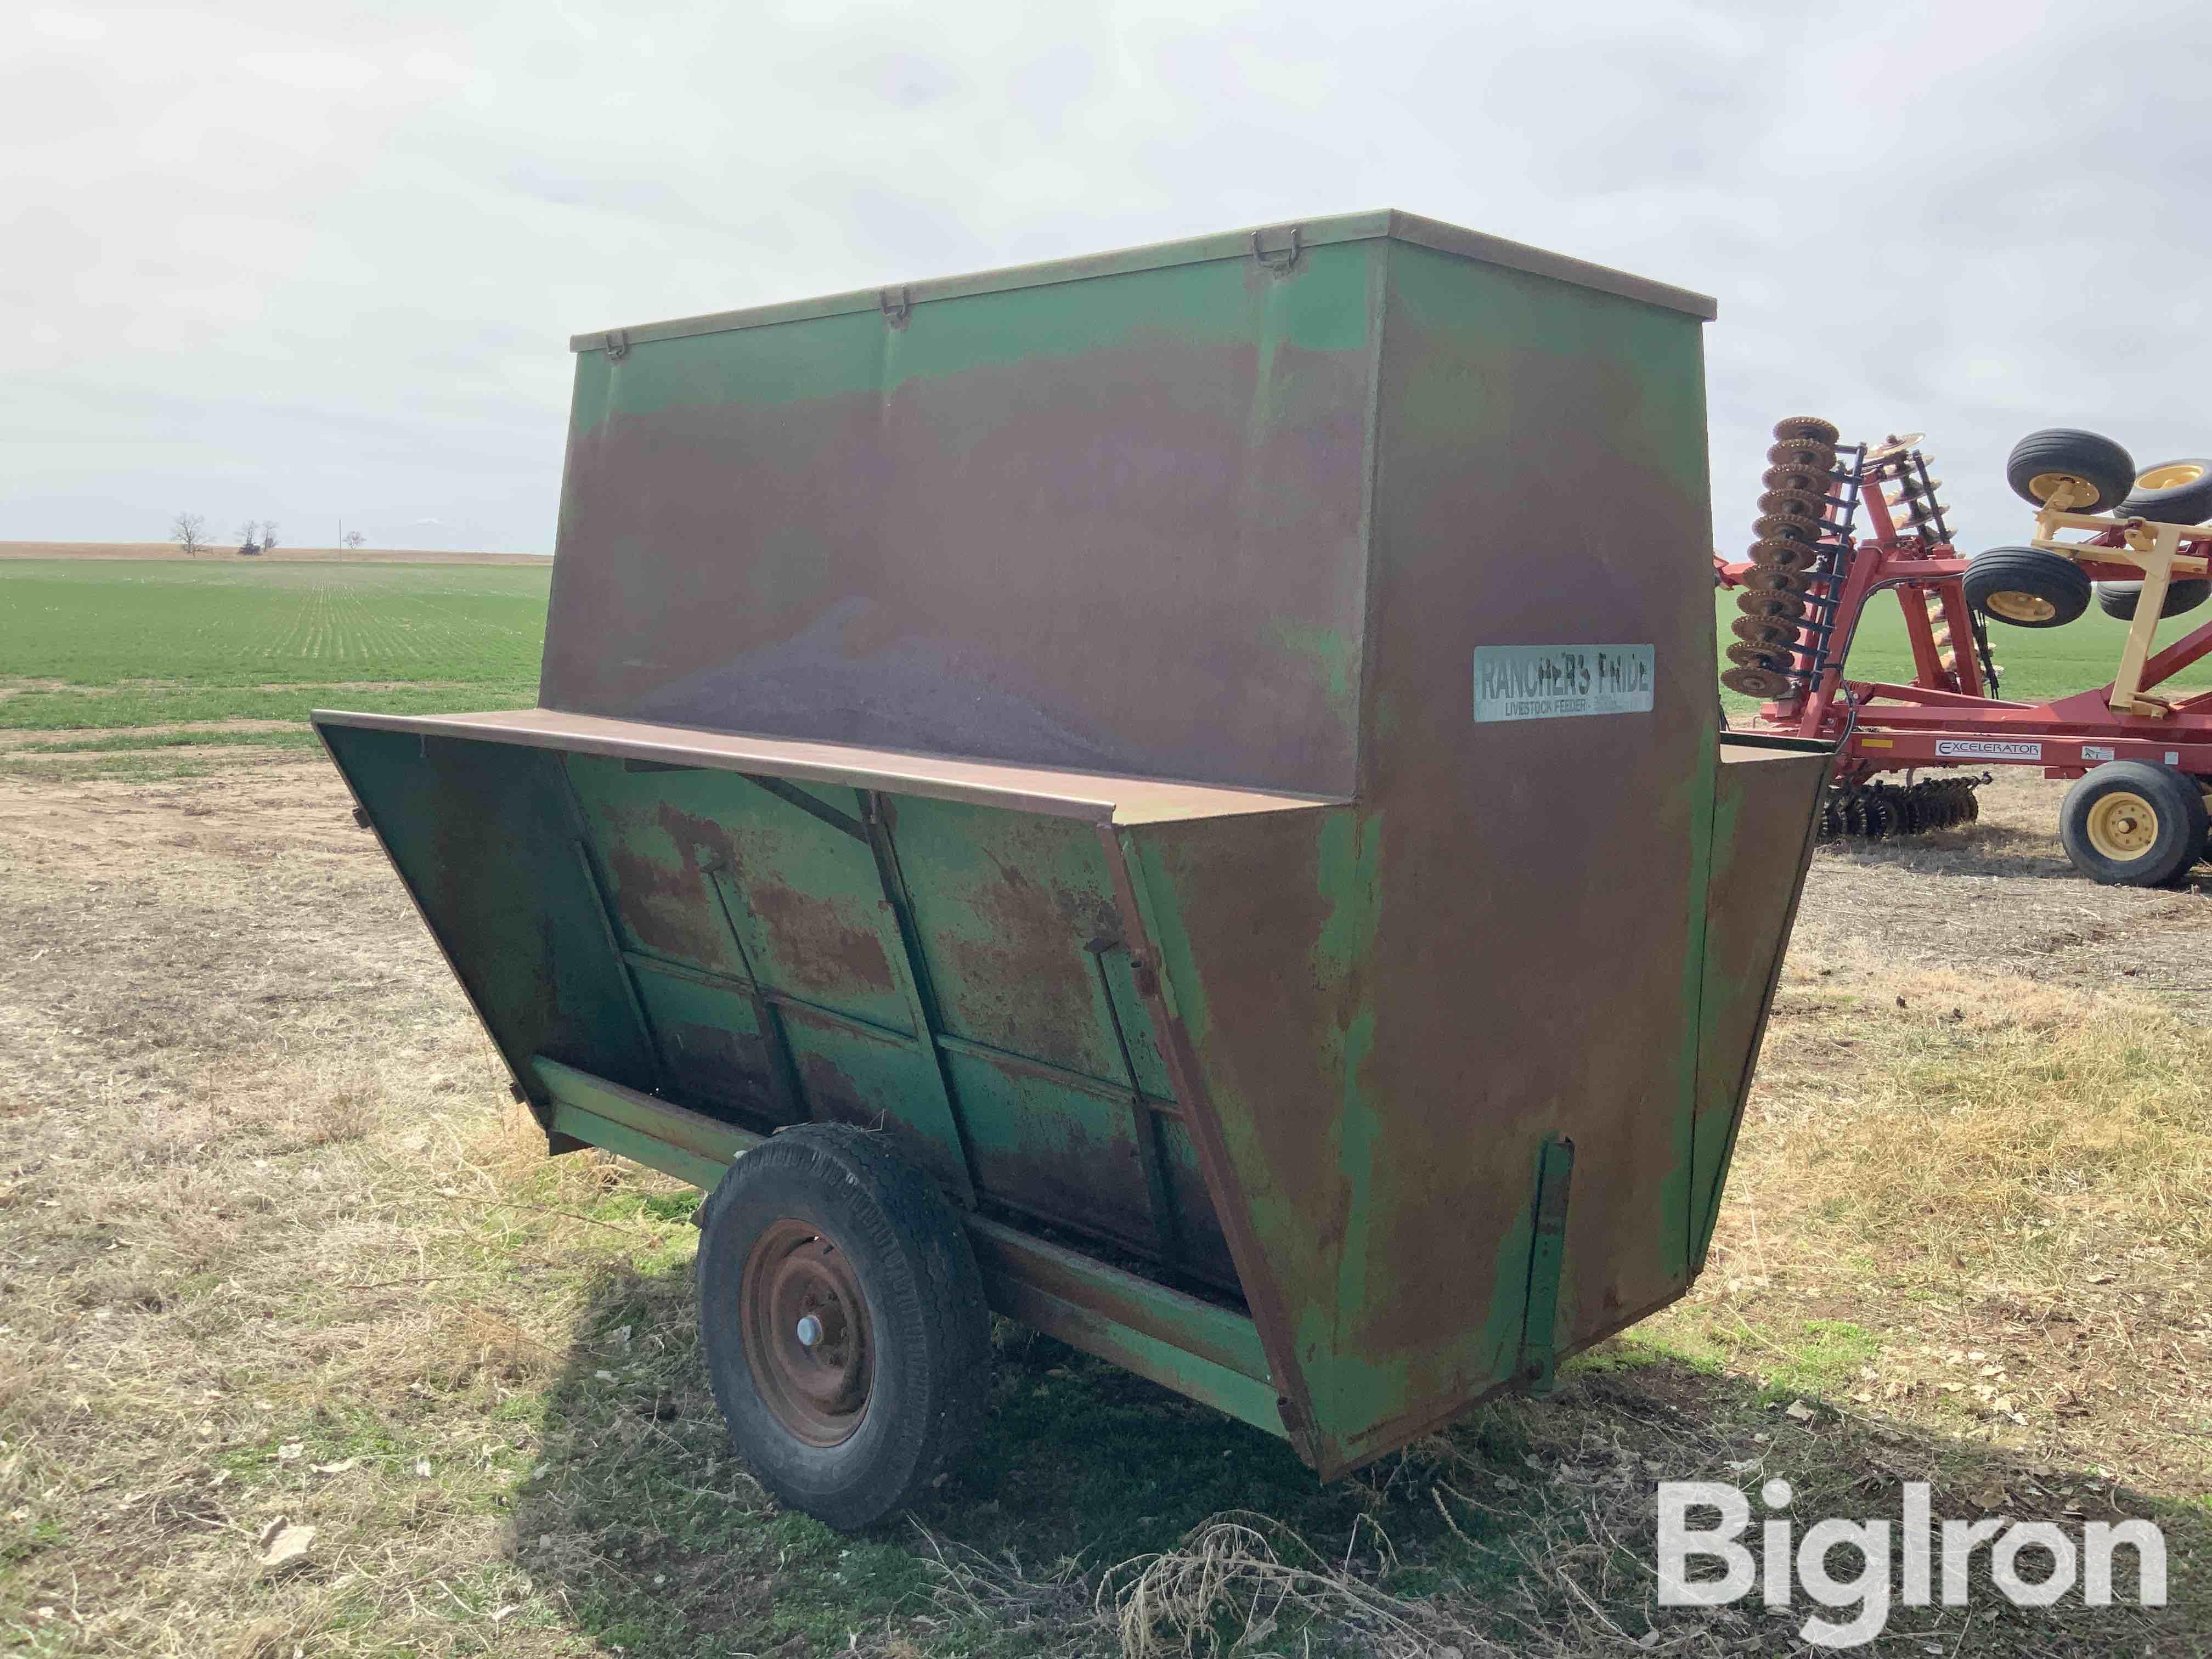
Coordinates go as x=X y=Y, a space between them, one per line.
x=297 y=263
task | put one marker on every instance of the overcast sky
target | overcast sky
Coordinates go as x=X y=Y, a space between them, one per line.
x=307 y=262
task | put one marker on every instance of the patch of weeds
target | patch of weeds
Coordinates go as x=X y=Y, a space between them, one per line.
x=1824 y=1357
x=21 y=1541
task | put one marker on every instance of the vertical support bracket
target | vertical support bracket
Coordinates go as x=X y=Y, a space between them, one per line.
x=1547 y=1248
x=912 y=970
x=1160 y=1200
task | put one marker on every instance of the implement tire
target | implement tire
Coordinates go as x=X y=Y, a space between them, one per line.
x=2080 y=471
x=2182 y=594
x=2130 y=824
x=2027 y=587
x=2172 y=492
x=842 y=1314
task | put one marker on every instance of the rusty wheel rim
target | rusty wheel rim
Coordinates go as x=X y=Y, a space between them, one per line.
x=807 y=1338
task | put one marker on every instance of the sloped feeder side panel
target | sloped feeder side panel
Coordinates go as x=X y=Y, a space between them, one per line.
x=1395 y=1007
x=483 y=836
x=1765 y=813
x=1114 y=525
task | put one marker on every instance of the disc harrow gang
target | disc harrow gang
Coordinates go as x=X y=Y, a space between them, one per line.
x=1880 y=811
x=1802 y=532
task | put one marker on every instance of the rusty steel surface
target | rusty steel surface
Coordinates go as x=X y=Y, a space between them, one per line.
x=1046 y=719
x=1060 y=792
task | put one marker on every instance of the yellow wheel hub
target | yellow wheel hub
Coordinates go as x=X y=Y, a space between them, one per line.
x=2122 y=826
x=2022 y=607
x=2170 y=477
x=2062 y=491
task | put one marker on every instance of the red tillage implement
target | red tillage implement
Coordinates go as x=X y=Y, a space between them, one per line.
x=1839 y=525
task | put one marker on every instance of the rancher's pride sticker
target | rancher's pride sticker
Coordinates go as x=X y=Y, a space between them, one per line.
x=1550 y=682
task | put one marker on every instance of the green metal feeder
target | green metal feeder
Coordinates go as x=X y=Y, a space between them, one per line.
x=1177 y=795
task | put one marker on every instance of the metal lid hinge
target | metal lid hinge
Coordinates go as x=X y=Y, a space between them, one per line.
x=1281 y=260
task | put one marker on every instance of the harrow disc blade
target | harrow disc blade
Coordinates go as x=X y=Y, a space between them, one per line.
x=1806 y=426
x=1763 y=683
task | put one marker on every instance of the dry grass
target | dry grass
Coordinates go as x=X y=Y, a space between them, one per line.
x=272 y=1244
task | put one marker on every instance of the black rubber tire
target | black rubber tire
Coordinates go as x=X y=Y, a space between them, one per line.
x=2051 y=577
x=2190 y=502
x=2088 y=456
x=2183 y=594
x=2174 y=799
x=930 y=1335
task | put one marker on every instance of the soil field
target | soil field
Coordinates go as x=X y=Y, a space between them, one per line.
x=276 y=1252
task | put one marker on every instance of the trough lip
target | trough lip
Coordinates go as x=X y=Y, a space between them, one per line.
x=1273 y=239
x=1057 y=791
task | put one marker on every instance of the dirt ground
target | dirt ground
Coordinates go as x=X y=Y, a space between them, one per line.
x=1999 y=896
x=259 y=1226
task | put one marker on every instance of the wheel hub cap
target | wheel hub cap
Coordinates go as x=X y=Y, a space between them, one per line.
x=2171 y=478
x=2022 y=607
x=804 y=1321
x=2062 y=491
x=2122 y=826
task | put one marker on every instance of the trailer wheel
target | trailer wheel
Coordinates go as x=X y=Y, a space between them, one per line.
x=2130 y=824
x=2078 y=472
x=843 y=1321
x=2172 y=492
x=2027 y=587
x=2182 y=594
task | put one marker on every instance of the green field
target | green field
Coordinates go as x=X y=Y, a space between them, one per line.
x=120 y=647
x=2035 y=663
x=98 y=645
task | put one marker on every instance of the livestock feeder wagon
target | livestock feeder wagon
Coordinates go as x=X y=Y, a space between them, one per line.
x=1175 y=796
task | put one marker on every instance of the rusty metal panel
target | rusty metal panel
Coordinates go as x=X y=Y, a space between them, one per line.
x=974 y=533
x=809 y=917
x=480 y=835
x=1766 y=808
x=1016 y=919
x=1392 y=1007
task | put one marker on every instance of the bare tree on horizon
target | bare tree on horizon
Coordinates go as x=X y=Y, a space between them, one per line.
x=189 y=531
x=246 y=541
x=355 y=539
x=268 y=535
